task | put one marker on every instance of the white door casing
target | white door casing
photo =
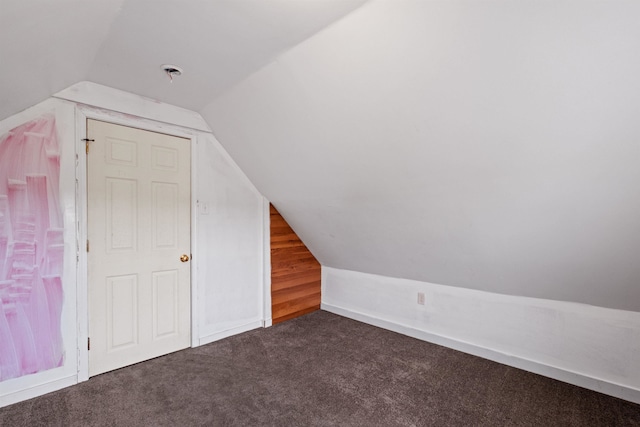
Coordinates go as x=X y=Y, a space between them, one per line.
x=138 y=185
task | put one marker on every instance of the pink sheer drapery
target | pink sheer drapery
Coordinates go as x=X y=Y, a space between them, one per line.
x=31 y=250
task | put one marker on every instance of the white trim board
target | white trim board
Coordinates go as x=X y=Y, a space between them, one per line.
x=96 y=95
x=217 y=336
x=195 y=260
x=550 y=338
x=266 y=263
x=37 y=390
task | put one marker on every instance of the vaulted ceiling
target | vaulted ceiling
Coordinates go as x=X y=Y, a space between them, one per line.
x=48 y=45
x=491 y=145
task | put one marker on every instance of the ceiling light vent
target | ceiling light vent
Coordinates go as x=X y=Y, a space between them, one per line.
x=172 y=71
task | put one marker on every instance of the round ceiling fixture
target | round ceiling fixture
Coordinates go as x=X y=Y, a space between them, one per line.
x=172 y=71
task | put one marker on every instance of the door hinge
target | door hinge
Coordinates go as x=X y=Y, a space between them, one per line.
x=87 y=141
x=87 y=245
x=88 y=343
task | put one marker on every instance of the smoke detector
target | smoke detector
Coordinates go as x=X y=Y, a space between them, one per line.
x=172 y=71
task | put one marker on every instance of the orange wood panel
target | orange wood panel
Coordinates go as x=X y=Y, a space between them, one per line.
x=290 y=294
x=295 y=273
x=288 y=283
x=297 y=314
x=295 y=305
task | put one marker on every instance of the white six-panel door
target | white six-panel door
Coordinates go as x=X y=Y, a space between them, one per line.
x=138 y=230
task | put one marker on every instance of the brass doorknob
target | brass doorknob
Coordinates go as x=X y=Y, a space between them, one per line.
x=184 y=258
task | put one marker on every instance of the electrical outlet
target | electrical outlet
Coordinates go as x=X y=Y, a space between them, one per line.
x=421 y=298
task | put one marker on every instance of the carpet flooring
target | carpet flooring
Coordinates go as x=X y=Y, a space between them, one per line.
x=321 y=370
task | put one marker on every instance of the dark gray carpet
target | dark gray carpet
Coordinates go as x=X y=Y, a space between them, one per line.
x=321 y=370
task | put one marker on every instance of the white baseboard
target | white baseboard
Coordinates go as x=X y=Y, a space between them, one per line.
x=580 y=380
x=207 y=339
x=37 y=390
x=267 y=323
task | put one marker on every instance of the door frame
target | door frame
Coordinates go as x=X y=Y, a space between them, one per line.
x=83 y=113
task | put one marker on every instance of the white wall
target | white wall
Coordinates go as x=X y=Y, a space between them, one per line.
x=489 y=145
x=593 y=347
x=229 y=247
x=228 y=218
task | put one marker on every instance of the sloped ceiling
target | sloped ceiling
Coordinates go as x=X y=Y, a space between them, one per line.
x=490 y=145
x=217 y=42
x=46 y=46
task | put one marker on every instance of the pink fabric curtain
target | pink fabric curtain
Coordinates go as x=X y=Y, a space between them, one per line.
x=31 y=250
